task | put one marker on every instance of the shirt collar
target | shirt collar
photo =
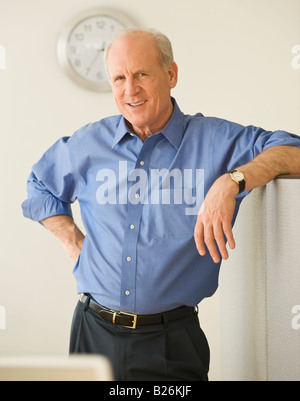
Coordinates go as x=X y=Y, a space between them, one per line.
x=121 y=132
x=173 y=130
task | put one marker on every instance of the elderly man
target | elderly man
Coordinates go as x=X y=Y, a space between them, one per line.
x=159 y=192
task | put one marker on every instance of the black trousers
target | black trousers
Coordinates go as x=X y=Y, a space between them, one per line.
x=176 y=350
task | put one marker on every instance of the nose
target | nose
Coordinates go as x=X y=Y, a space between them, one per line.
x=131 y=87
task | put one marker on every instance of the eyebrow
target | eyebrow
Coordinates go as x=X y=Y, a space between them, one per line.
x=141 y=71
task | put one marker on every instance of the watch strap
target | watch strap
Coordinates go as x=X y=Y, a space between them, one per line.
x=241 y=183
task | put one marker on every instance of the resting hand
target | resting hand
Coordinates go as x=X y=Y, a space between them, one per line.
x=214 y=221
x=66 y=231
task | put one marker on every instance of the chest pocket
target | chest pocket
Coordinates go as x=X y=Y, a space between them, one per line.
x=171 y=213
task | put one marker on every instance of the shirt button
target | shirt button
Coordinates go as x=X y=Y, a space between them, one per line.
x=129 y=259
x=127 y=292
x=142 y=163
x=132 y=226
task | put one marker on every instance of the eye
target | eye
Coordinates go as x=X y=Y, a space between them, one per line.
x=140 y=75
x=119 y=78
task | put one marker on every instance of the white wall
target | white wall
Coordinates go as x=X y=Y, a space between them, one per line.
x=235 y=62
x=260 y=298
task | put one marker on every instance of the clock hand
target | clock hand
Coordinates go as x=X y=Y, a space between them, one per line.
x=92 y=63
x=103 y=47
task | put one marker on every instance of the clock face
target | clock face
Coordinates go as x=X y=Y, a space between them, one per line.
x=82 y=45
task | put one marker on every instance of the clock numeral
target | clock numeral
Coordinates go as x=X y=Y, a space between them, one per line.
x=73 y=49
x=79 y=36
x=77 y=62
x=87 y=28
x=100 y=24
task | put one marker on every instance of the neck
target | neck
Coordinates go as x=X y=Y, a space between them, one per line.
x=143 y=135
x=144 y=132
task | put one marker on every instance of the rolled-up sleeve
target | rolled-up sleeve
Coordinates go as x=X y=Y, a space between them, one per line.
x=243 y=144
x=53 y=183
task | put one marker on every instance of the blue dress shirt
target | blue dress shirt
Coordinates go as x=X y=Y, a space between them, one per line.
x=139 y=204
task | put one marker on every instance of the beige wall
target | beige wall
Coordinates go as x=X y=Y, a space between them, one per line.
x=235 y=60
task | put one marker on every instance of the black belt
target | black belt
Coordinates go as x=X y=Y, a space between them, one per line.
x=131 y=320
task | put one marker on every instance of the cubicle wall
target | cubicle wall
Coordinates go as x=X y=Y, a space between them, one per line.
x=260 y=291
x=282 y=226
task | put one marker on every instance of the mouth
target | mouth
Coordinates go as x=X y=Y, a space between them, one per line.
x=138 y=104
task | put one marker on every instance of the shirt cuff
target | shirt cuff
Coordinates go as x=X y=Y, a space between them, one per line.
x=41 y=207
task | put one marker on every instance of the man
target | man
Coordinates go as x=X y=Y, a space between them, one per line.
x=150 y=255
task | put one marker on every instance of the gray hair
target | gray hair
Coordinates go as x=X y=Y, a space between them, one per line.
x=163 y=44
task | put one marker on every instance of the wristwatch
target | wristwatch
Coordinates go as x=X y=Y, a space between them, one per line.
x=239 y=178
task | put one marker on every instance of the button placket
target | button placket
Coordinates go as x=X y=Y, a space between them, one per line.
x=134 y=214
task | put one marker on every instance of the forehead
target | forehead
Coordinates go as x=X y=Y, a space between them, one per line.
x=132 y=50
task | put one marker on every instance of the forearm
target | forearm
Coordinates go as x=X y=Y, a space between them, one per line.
x=65 y=230
x=216 y=213
x=279 y=160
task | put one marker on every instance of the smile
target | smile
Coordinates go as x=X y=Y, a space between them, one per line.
x=137 y=104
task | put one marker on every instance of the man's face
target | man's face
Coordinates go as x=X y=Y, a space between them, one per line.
x=141 y=87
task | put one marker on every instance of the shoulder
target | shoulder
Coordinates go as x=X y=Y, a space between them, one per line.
x=210 y=125
x=105 y=128
x=199 y=125
x=201 y=120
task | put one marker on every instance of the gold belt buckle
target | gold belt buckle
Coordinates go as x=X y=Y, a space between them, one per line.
x=128 y=314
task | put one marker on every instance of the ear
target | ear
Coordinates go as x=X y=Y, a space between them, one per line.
x=173 y=74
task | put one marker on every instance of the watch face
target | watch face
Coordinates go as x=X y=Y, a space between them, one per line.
x=237 y=175
x=82 y=44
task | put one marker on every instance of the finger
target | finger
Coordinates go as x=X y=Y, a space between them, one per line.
x=209 y=239
x=227 y=228
x=199 y=236
x=220 y=240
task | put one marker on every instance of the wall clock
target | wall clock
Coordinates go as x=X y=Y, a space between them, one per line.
x=82 y=43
